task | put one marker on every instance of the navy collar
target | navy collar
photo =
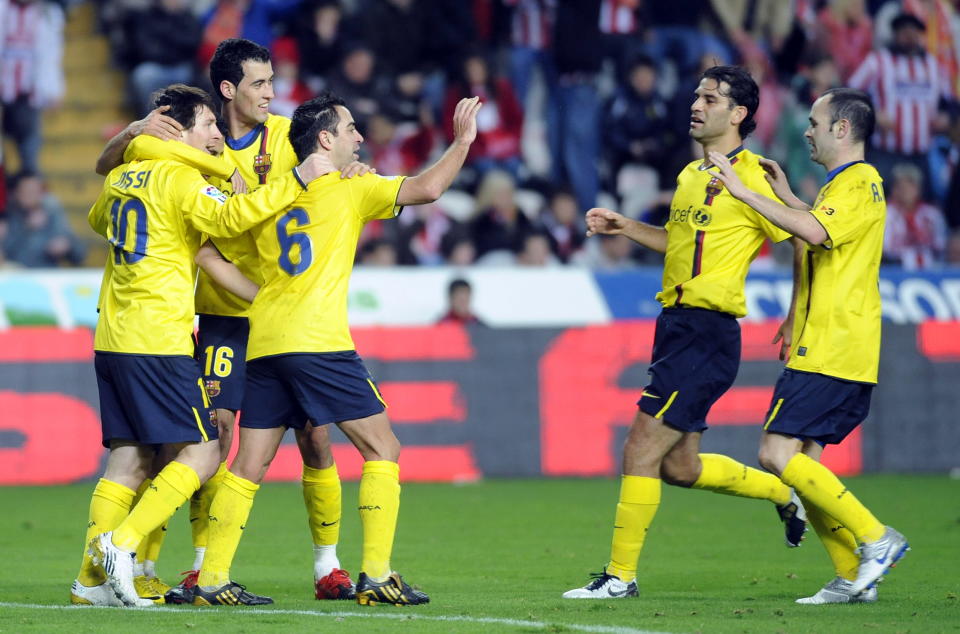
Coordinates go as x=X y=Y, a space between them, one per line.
x=730 y=155
x=245 y=140
x=833 y=173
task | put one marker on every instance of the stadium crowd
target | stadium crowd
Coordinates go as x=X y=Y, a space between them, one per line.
x=586 y=102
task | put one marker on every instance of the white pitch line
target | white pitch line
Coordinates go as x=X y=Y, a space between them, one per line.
x=406 y=616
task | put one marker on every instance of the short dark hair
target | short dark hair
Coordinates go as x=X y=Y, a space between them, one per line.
x=907 y=19
x=856 y=107
x=228 y=59
x=743 y=92
x=456 y=284
x=183 y=101
x=310 y=117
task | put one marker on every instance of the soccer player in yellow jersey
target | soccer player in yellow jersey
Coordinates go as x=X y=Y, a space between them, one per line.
x=258 y=147
x=153 y=214
x=833 y=336
x=301 y=361
x=709 y=241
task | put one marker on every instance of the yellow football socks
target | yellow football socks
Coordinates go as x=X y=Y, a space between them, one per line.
x=639 y=500
x=149 y=548
x=379 y=507
x=722 y=474
x=228 y=517
x=109 y=505
x=200 y=507
x=169 y=490
x=815 y=483
x=321 y=495
x=838 y=541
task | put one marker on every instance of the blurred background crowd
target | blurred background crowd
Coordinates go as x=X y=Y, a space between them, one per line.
x=586 y=103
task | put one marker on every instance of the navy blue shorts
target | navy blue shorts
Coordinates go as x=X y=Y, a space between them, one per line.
x=152 y=399
x=696 y=355
x=286 y=390
x=222 y=353
x=817 y=407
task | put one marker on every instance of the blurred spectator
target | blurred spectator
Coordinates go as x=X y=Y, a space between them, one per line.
x=535 y=251
x=459 y=298
x=561 y=220
x=636 y=123
x=772 y=99
x=531 y=35
x=906 y=84
x=500 y=224
x=916 y=232
x=406 y=100
x=422 y=229
x=607 y=253
x=499 y=122
x=31 y=71
x=620 y=25
x=249 y=19
x=845 y=31
x=577 y=53
x=289 y=92
x=37 y=233
x=378 y=252
x=160 y=46
x=357 y=84
x=683 y=31
x=756 y=27
x=319 y=31
x=942 y=34
x=394 y=149
x=457 y=247
x=397 y=32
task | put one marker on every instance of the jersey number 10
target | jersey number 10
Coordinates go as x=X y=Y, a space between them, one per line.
x=120 y=224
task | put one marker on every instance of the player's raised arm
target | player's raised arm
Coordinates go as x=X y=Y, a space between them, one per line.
x=430 y=184
x=155 y=124
x=145 y=147
x=609 y=222
x=224 y=272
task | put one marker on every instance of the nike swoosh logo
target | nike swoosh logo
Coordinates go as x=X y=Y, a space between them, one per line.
x=328 y=523
x=616 y=594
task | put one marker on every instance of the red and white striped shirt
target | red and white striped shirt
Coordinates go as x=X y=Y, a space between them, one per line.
x=532 y=22
x=17 y=71
x=907 y=88
x=916 y=237
x=618 y=17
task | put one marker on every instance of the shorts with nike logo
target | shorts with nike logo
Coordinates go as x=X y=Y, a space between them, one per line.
x=696 y=355
x=817 y=407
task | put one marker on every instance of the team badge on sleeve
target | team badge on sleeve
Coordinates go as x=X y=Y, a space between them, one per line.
x=212 y=192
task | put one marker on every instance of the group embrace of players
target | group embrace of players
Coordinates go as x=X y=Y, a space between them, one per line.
x=270 y=209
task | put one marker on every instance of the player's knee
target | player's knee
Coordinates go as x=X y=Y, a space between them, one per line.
x=770 y=459
x=678 y=474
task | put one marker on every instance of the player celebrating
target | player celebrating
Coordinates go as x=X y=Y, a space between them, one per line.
x=151 y=393
x=302 y=364
x=824 y=392
x=257 y=145
x=709 y=240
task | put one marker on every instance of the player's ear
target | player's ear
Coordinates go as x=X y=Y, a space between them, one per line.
x=738 y=115
x=842 y=128
x=323 y=140
x=227 y=89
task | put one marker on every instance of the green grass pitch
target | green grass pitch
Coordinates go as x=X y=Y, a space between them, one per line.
x=495 y=557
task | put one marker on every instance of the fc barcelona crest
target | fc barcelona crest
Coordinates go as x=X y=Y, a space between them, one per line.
x=261 y=164
x=213 y=388
x=714 y=189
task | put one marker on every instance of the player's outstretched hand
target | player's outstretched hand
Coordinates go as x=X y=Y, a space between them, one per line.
x=465 y=120
x=602 y=220
x=724 y=171
x=777 y=179
x=237 y=183
x=357 y=169
x=315 y=166
x=157 y=124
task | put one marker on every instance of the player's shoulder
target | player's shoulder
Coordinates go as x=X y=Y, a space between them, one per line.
x=277 y=123
x=748 y=161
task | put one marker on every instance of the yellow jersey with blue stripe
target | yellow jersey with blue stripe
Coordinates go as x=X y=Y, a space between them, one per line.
x=837 y=319
x=306 y=257
x=712 y=237
x=153 y=213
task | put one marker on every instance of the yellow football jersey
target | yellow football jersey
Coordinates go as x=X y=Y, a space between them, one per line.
x=837 y=320
x=306 y=256
x=712 y=237
x=153 y=214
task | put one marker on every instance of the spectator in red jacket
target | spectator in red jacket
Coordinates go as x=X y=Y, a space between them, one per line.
x=499 y=123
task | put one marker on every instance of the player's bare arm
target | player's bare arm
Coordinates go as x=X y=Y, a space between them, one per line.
x=781 y=187
x=609 y=222
x=785 y=331
x=799 y=222
x=155 y=124
x=224 y=272
x=430 y=184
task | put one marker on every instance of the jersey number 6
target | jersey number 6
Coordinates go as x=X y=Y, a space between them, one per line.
x=287 y=241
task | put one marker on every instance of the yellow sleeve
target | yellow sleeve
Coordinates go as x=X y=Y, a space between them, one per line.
x=212 y=212
x=379 y=196
x=145 y=147
x=842 y=213
x=99 y=215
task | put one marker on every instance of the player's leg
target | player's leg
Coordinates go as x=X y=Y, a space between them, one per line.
x=822 y=408
x=145 y=580
x=201 y=500
x=112 y=498
x=322 y=497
